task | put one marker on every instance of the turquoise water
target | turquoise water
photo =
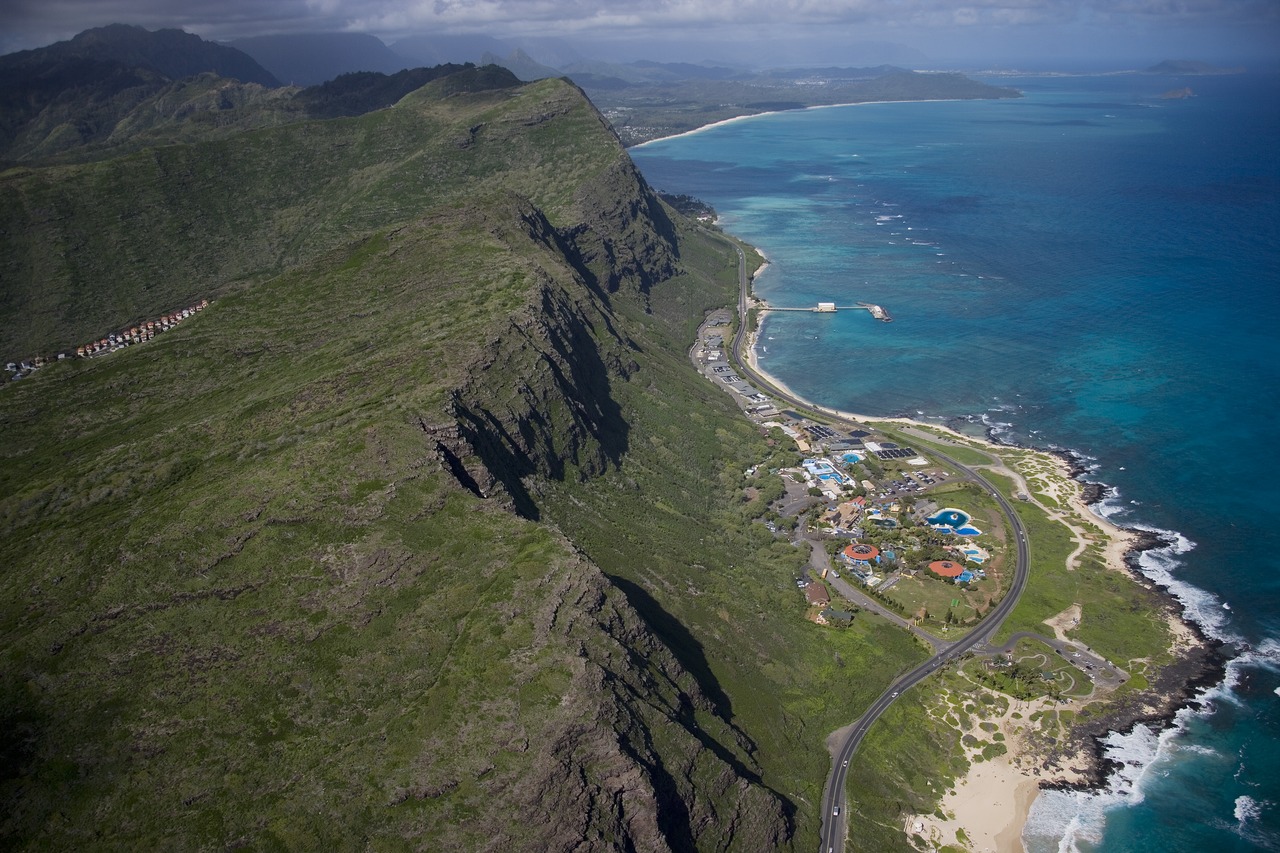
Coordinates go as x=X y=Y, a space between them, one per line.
x=949 y=517
x=1105 y=264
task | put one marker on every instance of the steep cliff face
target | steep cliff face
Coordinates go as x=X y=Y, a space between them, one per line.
x=626 y=238
x=639 y=752
x=537 y=402
x=623 y=764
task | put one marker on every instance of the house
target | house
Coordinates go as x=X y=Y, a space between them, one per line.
x=816 y=594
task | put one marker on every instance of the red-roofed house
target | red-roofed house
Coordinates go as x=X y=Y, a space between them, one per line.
x=816 y=593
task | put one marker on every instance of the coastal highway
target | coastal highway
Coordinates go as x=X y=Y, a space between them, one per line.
x=833 y=822
x=833 y=825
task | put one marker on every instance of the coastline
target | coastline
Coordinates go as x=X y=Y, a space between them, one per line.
x=995 y=797
x=745 y=116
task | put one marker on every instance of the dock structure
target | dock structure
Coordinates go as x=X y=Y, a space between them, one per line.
x=874 y=310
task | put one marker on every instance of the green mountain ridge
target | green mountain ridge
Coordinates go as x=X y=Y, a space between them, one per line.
x=120 y=240
x=423 y=535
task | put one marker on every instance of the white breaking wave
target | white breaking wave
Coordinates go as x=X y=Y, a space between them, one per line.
x=1247 y=808
x=1202 y=607
x=1063 y=820
x=995 y=428
x=1248 y=814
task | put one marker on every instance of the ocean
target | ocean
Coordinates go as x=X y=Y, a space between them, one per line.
x=1091 y=267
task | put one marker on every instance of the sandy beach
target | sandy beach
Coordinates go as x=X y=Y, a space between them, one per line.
x=746 y=116
x=989 y=805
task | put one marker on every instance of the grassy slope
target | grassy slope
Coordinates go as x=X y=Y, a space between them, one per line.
x=117 y=241
x=243 y=600
x=243 y=593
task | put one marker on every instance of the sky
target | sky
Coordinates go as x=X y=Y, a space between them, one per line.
x=981 y=33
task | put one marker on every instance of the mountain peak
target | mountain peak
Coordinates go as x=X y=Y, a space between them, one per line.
x=176 y=54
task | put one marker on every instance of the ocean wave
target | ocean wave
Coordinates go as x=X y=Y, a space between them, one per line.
x=1110 y=507
x=1247 y=808
x=1072 y=821
x=995 y=428
x=1204 y=608
x=1248 y=814
x=1066 y=820
x=1210 y=613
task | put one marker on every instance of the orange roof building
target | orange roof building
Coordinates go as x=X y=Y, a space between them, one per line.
x=860 y=552
x=946 y=568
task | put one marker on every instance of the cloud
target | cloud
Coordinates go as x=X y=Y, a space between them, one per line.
x=27 y=23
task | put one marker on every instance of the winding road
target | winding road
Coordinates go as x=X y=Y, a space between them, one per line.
x=833 y=822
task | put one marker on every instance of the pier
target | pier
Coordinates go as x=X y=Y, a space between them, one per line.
x=877 y=311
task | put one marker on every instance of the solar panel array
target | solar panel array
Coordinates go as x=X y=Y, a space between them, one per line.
x=895 y=453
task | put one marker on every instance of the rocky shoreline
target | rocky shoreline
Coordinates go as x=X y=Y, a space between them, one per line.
x=1178 y=685
x=1200 y=665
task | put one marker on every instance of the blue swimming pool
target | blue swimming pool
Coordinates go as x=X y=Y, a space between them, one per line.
x=949 y=517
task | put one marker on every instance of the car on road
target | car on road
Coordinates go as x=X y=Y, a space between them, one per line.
x=836 y=811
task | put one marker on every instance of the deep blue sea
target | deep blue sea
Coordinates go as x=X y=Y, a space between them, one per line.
x=1090 y=267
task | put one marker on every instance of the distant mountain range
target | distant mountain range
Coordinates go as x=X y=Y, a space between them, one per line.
x=305 y=59
x=120 y=87
x=172 y=53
